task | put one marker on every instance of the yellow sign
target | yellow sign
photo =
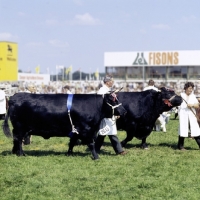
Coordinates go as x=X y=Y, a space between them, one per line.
x=8 y=61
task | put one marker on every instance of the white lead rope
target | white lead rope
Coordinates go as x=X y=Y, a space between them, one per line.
x=113 y=107
x=73 y=128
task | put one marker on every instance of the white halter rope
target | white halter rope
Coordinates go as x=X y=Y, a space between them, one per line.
x=113 y=107
x=73 y=128
x=172 y=97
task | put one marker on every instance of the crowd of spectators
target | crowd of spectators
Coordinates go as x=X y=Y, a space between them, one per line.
x=86 y=87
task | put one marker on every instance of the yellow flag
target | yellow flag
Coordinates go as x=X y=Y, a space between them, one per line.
x=69 y=69
x=97 y=74
x=37 y=69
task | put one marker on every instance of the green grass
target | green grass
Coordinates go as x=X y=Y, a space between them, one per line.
x=45 y=173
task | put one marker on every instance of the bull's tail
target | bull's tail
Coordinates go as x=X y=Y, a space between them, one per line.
x=5 y=125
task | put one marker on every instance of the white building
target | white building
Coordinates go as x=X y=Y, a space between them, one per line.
x=140 y=66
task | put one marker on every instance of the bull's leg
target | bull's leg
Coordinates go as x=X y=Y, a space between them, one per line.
x=144 y=144
x=18 y=135
x=91 y=146
x=27 y=140
x=17 y=147
x=129 y=137
x=17 y=142
x=72 y=142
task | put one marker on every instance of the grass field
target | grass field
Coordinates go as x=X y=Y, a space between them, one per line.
x=45 y=173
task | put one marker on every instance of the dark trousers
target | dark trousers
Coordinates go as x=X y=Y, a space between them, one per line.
x=114 y=141
x=181 y=141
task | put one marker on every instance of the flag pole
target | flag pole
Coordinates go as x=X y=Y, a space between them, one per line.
x=63 y=74
x=56 y=74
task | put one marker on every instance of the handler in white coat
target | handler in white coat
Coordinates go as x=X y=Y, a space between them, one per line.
x=108 y=83
x=2 y=103
x=160 y=122
x=187 y=118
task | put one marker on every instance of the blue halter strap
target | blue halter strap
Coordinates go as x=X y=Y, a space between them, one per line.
x=69 y=101
x=69 y=105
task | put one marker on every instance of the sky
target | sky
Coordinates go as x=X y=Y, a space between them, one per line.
x=77 y=33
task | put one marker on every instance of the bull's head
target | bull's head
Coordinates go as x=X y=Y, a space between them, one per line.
x=113 y=106
x=169 y=97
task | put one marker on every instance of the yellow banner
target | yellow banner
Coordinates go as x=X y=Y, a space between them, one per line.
x=8 y=61
x=37 y=69
x=69 y=69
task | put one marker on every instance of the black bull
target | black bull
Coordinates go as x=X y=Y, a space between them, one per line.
x=143 y=108
x=47 y=115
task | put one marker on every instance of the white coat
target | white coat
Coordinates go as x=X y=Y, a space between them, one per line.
x=110 y=123
x=103 y=90
x=150 y=87
x=2 y=102
x=187 y=117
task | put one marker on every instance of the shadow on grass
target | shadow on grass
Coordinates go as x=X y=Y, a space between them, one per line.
x=33 y=153
x=170 y=145
x=128 y=145
x=174 y=146
x=41 y=153
x=6 y=153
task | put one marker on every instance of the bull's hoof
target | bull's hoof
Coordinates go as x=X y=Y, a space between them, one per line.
x=123 y=143
x=144 y=146
x=97 y=158
x=26 y=142
x=69 y=154
x=20 y=153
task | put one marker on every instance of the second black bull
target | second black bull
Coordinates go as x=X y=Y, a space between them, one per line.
x=143 y=108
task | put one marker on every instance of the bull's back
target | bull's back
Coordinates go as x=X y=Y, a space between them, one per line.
x=48 y=112
x=137 y=104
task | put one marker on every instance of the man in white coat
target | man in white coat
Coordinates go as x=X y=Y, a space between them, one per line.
x=151 y=86
x=108 y=83
x=187 y=116
x=160 y=122
x=2 y=104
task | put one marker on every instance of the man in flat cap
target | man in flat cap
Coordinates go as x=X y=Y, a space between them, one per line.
x=108 y=83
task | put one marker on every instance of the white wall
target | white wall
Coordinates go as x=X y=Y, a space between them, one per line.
x=152 y=58
x=34 y=78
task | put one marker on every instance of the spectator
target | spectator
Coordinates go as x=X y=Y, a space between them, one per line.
x=91 y=90
x=150 y=86
x=66 y=89
x=187 y=116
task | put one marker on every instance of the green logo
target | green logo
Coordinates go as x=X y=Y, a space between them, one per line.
x=140 y=60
